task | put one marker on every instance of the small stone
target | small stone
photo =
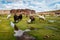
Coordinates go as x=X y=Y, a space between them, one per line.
x=52 y=21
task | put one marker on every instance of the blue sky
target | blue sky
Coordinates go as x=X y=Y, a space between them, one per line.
x=38 y=5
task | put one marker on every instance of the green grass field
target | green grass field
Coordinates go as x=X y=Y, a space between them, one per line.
x=7 y=32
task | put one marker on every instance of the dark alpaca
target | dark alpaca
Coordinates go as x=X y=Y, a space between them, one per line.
x=20 y=17
x=32 y=18
x=15 y=18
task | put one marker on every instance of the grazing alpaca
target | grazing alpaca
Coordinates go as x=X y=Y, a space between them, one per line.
x=31 y=19
x=16 y=18
x=41 y=17
x=17 y=31
x=20 y=34
x=9 y=15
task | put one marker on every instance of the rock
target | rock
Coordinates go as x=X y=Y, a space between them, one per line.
x=52 y=21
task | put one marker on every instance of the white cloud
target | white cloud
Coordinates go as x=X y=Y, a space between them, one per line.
x=12 y=0
x=48 y=2
x=30 y=4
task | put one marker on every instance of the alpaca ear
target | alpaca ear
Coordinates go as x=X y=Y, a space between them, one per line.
x=12 y=24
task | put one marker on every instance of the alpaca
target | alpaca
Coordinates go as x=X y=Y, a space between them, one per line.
x=41 y=17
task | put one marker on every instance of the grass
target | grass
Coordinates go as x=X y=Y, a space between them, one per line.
x=7 y=32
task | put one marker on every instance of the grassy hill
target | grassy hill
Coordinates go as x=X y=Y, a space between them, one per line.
x=7 y=32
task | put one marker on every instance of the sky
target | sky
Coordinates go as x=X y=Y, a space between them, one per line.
x=38 y=5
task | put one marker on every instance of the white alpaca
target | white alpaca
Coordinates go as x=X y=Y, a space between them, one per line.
x=41 y=17
x=12 y=24
x=9 y=15
x=19 y=33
